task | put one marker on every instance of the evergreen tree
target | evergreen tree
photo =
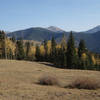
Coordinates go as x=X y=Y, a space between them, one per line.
x=13 y=39
x=82 y=48
x=63 y=58
x=3 y=44
x=46 y=58
x=37 y=54
x=82 y=55
x=63 y=43
x=60 y=58
x=71 y=53
x=28 y=46
x=53 y=50
x=20 y=50
x=60 y=54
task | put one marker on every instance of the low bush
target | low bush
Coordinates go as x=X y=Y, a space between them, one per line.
x=84 y=83
x=48 y=80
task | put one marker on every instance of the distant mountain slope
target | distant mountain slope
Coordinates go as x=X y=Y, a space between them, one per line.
x=92 y=40
x=40 y=34
x=94 y=30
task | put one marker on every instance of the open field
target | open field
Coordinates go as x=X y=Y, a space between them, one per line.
x=18 y=81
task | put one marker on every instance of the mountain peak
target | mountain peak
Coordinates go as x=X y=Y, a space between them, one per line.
x=55 y=29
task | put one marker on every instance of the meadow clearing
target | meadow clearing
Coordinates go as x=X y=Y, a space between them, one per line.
x=18 y=81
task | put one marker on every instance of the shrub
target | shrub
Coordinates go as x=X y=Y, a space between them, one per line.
x=48 y=80
x=84 y=83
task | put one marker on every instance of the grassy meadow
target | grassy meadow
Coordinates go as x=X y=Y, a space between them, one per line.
x=19 y=81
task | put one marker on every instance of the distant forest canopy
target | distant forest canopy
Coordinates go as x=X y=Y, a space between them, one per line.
x=62 y=55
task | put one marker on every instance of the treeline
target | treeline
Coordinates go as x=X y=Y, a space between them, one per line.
x=62 y=55
x=10 y=48
x=66 y=55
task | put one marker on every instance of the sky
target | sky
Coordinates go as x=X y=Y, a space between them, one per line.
x=76 y=15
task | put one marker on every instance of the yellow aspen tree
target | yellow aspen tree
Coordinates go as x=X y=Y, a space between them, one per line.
x=58 y=46
x=42 y=50
x=10 y=46
x=93 y=59
x=49 y=47
x=84 y=57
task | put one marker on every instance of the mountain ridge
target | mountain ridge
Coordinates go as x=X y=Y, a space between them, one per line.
x=93 y=30
x=41 y=34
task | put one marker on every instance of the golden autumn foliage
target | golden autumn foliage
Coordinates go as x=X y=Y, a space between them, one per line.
x=63 y=43
x=10 y=46
x=32 y=51
x=84 y=56
x=49 y=47
x=42 y=50
x=58 y=46
x=93 y=59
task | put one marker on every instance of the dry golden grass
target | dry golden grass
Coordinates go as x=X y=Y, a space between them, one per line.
x=18 y=81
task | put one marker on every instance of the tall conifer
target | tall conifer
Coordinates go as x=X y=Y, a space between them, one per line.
x=28 y=46
x=46 y=58
x=82 y=48
x=20 y=50
x=71 y=53
x=37 y=54
x=53 y=49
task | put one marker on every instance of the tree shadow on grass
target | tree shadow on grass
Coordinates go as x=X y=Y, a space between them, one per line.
x=51 y=65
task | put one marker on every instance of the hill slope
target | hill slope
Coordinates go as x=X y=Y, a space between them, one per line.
x=38 y=34
x=18 y=81
x=93 y=30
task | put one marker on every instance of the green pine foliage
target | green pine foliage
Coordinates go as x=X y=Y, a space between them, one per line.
x=53 y=50
x=82 y=48
x=61 y=59
x=3 y=45
x=20 y=50
x=28 y=46
x=71 y=53
x=38 y=55
x=46 y=56
x=13 y=39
